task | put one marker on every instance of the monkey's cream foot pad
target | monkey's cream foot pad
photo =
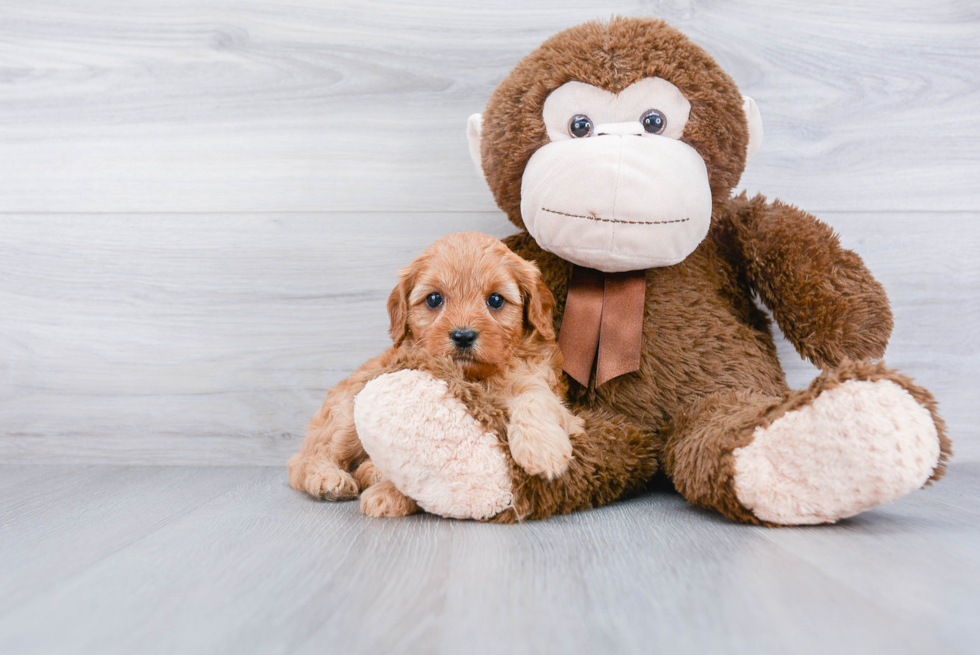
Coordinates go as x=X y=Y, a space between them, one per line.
x=425 y=441
x=856 y=446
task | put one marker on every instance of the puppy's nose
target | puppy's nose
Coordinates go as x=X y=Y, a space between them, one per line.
x=463 y=337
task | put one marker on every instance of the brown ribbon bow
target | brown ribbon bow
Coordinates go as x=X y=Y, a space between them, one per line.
x=604 y=314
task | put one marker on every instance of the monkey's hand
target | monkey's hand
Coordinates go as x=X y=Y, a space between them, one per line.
x=822 y=296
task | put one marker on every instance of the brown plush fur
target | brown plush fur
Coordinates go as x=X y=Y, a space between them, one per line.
x=700 y=441
x=709 y=372
x=514 y=363
x=601 y=471
x=612 y=56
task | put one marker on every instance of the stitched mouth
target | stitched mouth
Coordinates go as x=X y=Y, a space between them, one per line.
x=613 y=220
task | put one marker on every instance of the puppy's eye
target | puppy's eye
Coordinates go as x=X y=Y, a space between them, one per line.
x=434 y=300
x=495 y=301
x=653 y=121
x=580 y=126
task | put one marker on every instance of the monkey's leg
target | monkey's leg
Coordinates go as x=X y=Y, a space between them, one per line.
x=426 y=440
x=611 y=459
x=859 y=437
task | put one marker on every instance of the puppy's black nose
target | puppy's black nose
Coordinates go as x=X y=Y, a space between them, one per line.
x=463 y=338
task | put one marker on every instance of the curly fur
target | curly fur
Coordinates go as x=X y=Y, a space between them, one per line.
x=515 y=364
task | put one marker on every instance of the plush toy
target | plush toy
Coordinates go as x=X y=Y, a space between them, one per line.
x=615 y=148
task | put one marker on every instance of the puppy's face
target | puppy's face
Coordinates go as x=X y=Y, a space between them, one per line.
x=470 y=298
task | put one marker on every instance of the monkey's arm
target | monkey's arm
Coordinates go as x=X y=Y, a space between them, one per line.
x=822 y=296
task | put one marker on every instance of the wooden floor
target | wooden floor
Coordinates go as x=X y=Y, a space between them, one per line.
x=101 y=559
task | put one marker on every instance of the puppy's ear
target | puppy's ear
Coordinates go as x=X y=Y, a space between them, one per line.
x=398 y=305
x=538 y=299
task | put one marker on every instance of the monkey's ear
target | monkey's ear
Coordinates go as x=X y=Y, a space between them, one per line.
x=538 y=302
x=398 y=306
x=474 y=131
x=754 y=118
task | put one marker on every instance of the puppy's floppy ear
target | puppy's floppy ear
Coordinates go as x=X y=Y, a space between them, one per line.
x=538 y=301
x=398 y=304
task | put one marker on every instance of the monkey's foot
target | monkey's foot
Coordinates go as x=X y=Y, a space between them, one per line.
x=423 y=439
x=857 y=445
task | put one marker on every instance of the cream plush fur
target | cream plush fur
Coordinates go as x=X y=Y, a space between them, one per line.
x=857 y=446
x=429 y=446
x=593 y=210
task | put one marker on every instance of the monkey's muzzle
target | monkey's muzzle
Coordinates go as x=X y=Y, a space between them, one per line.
x=617 y=202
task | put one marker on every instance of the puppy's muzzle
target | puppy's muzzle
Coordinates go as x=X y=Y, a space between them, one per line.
x=464 y=338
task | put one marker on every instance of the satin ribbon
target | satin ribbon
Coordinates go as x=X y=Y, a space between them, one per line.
x=603 y=324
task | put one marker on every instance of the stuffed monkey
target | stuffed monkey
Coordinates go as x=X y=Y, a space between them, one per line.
x=615 y=148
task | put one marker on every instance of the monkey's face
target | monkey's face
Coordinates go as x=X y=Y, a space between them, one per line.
x=615 y=189
x=619 y=136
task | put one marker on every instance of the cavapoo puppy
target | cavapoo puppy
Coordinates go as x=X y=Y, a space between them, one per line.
x=468 y=307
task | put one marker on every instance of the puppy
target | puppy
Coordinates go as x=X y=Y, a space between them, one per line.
x=468 y=299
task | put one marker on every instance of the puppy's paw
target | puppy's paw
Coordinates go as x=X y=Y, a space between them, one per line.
x=574 y=425
x=540 y=448
x=367 y=475
x=322 y=479
x=383 y=499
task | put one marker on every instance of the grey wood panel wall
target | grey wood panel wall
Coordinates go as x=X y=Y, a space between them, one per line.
x=203 y=203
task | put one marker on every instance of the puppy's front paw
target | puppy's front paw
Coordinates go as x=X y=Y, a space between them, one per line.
x=384 y=499
x=322 y=479
x=540 y=448
x=574 y=425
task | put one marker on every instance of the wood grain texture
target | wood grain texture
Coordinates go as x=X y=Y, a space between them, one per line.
x=212 y=339
x=253 y=566
x=203 y=203
x=353 y=105
x=190 y=339
x=57 y=522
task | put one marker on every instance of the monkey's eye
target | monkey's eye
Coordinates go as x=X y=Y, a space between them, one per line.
x=654 y=121
x=434 y=300
x=580 y=126
x=495 y=301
